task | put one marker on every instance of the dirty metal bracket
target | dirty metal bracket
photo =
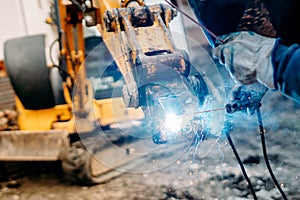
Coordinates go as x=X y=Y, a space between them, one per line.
x=146 y=45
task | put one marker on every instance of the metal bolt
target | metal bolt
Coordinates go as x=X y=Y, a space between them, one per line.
x=88 y=4
x=89 y=19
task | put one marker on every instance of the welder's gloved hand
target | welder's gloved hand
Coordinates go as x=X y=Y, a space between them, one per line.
x=246 y=98
x=248 y=57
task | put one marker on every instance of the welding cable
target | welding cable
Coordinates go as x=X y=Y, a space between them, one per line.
x=250 y=186
x=197 y=23
x=264 y=149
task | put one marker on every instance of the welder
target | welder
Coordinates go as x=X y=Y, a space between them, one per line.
x=259 y=42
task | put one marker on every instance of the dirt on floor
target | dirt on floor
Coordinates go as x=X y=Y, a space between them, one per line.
x=206 y=171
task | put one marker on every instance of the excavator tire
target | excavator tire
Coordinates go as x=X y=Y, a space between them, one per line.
x=82 y=167
x=76 y=165
x=25 y=62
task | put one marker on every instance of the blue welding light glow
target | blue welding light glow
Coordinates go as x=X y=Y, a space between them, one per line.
x=172 y=122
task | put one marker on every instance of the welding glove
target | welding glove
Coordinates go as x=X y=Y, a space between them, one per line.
x=246 y=98
x=248 y=57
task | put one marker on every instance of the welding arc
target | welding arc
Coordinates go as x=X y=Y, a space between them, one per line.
x=264 y=148
x=200 y=25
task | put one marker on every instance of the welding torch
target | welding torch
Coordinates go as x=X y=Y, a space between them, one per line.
x=220 y=41
x=246 y=98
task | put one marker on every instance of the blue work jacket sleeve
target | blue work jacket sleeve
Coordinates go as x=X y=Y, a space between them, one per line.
x=286 y=63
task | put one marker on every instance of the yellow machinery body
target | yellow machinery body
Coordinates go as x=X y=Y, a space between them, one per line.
x=61 y=117
x=139 y=40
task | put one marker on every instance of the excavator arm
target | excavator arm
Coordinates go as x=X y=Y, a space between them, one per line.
x=138 y=37
x=156 y=74
x=154 y=69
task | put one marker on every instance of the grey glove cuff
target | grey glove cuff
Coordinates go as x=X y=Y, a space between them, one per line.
x=248 y=57
x=265 y=75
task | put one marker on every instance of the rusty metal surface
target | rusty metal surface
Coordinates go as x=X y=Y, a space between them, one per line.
x=127 y=3
x=142 y=41
x=32 y=145
x=142 y=46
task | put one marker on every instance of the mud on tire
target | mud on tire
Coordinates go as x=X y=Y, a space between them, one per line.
x=76 y=164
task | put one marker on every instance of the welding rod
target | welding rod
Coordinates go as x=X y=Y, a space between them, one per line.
x=211 y=110
x=193 y=20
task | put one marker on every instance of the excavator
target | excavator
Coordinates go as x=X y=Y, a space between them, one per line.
x=58 y=105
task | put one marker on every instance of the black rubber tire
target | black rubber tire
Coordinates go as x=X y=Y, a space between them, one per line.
x=27 y=69
x=76 y=164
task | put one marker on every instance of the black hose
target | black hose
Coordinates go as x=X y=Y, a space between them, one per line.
x=50 y=52
x=64 y=74
x=250 y=186
x=78 y=4
x=264 y=149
